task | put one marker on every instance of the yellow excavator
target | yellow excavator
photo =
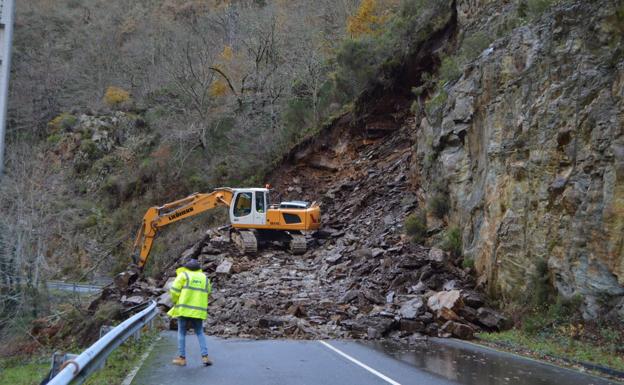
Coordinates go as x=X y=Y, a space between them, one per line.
x=252 y=217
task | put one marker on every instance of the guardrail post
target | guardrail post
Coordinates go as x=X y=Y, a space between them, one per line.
x=105 y=329
x=137 y=335
x=58 y=359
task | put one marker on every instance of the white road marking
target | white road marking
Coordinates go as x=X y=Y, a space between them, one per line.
x=348 y=357
x=139 y=365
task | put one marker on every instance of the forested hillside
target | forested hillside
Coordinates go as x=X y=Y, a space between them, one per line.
x=117 y=106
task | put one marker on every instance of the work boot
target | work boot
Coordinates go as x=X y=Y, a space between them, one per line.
x=206 y=360
x=180 y=361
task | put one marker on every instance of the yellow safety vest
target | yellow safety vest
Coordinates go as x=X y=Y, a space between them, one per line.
x=189 y=293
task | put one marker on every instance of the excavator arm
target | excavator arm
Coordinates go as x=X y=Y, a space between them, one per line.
x=158 y=217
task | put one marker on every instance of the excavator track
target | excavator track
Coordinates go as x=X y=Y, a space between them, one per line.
x=245 y=241
x=298 y=244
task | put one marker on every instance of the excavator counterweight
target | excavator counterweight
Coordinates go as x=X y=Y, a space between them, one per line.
x=251 y=214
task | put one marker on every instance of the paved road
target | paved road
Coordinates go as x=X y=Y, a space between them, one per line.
x=347 y=362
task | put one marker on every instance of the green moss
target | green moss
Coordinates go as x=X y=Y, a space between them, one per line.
x=416 y=226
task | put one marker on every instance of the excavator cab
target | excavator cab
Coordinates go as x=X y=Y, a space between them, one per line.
x=252 y=209
x=249 y=208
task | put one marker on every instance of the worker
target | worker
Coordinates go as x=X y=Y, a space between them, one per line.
x=189 y=294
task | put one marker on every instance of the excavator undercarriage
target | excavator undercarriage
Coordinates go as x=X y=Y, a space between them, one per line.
x=247 y=241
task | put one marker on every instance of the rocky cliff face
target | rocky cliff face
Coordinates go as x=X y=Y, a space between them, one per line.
x=529 y=147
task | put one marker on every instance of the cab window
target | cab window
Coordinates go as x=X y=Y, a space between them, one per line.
x=242 y=206
x=260 y=202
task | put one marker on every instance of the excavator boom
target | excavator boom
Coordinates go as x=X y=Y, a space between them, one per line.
x=160 y=216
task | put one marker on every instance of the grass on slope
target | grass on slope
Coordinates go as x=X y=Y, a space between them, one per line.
x=23 y=371
x=30 y=371
x=122 y=361
x=545 y=347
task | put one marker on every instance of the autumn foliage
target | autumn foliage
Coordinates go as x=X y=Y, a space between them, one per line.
x=115 y=96
x=366 y=20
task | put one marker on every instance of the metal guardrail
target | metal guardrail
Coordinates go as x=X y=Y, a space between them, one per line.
x=78 y=369
x=74 y=287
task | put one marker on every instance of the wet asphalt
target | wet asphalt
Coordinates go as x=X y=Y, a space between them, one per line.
x=273 y=362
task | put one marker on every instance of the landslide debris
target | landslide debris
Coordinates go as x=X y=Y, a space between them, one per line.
x=361 y=278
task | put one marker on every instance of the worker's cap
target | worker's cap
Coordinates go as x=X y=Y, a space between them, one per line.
x=192 y=264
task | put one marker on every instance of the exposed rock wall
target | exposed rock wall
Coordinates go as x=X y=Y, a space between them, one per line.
x=530 y=145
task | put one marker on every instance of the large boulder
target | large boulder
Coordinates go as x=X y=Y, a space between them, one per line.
x=412 y=308
x=456 y=329
x=224 y=267
x=445 y=299
x=491 y=318
x=125 y=279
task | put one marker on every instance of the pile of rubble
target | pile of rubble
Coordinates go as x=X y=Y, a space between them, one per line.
x=361 y=276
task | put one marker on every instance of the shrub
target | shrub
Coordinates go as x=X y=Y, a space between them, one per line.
x=115 y=96
x=468 y=263
x=81 y=166
x=358 y=62
x=533 y=8
x=113 y=188
x=473 y=45
x=452 y=242
x=564 y=309
x=439 y=205
x=53 y=139
x=540 y=285
x=366 y=20
x=449 y=70
x=63 y=122
x=90 y=221
x=545 y=316
x=218 y=88
x=416 y=226
x=433 y=106
x=90 y=149
x=197 y=182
